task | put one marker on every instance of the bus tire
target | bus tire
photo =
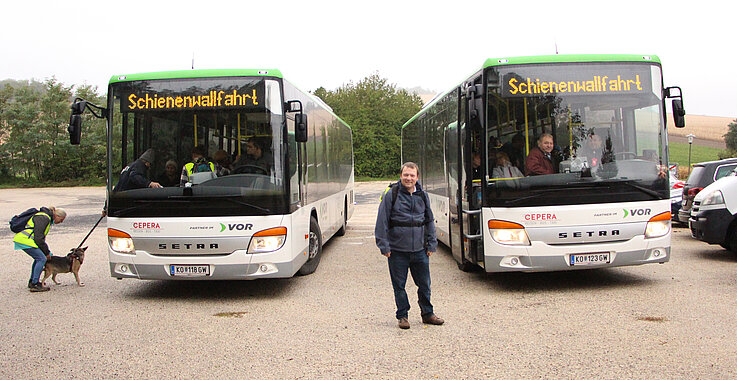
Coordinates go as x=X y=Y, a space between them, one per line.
x=341 y=231
x=314 y=251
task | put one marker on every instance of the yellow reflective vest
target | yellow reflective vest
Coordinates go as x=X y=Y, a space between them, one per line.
x=190 y=167
x=26 y=236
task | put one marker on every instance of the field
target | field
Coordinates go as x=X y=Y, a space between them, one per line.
x=703 y=127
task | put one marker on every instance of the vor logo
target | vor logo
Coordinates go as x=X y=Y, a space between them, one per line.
x=636 y=211
x=236 y=226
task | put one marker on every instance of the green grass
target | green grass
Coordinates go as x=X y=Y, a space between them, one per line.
x=679 y=154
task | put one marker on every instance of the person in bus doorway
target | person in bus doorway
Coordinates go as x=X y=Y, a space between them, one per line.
x=405 y=234
x=476 y=166
x=170 y=177
x=133 y=176
x=199 y=164
x=32 y=240
x=540 y=161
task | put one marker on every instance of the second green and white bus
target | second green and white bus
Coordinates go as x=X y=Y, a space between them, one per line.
x=605 y=204
x=266 y=218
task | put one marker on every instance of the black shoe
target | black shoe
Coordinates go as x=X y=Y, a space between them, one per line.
x=37 y=287
x=30 y=284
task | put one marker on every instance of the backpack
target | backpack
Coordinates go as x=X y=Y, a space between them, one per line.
x=394 y=187
x=202 y=167
x=18 y=222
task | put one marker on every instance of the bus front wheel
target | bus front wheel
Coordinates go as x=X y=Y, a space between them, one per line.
x=314 y=250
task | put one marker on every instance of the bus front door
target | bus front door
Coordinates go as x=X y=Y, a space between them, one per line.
x=465 y=205
x=471 y=137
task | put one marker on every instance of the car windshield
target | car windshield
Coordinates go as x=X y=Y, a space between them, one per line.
x=596 y=129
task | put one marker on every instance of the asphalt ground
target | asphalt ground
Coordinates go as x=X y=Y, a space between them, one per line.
x=675 y=320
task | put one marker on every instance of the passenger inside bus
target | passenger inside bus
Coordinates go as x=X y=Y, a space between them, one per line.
x=222 y=163
x=198 y=170
x=256 y=160
x=592 y=151
x=170 y=177
x=504 y=168
x=515 y=151
x=541 y=161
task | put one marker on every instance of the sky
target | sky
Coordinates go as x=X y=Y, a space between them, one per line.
x=428 y=44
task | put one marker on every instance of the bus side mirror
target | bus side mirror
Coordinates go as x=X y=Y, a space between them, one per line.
x=75 y=129
x=300 y=127
x=679 y=113
x=78 y=107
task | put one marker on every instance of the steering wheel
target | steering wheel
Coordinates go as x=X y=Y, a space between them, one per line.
x=625 y=155
x=253 y=169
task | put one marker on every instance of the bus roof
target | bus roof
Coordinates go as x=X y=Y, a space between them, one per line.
x=567 y=58
x=197 y=74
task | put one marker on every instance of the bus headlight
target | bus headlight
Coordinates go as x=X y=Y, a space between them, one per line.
x=509 y=233
x=120 y=241
x=268 y=240
x=658 y=225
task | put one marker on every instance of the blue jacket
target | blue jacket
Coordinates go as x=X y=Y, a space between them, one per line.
x=408 y=208
x=133 y=176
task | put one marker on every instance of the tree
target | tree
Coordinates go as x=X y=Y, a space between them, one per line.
x=34 y=143
x=375 y=110
x=730 y=139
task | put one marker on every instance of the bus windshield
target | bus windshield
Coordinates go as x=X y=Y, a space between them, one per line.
x=574 y=133
x=213 y=144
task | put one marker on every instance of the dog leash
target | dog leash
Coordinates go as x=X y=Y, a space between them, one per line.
x=89 y=233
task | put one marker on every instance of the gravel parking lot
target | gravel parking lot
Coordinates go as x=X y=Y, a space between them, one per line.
x=675 y=320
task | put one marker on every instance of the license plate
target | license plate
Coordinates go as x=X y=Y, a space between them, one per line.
x=189 y=270
x=590 y=258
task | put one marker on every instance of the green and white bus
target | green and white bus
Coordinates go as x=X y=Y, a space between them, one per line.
x=261 y=218
x=603 y=202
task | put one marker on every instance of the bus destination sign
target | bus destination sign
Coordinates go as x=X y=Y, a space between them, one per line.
x=213 y=99
x=577 y=81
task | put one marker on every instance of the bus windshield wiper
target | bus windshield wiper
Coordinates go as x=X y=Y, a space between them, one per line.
x=230 y=198
x=645 y=190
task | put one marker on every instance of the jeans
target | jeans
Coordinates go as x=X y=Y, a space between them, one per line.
x=419 y=265
x=39 y=260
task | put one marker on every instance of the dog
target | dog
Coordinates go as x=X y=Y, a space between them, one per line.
x=71 y=263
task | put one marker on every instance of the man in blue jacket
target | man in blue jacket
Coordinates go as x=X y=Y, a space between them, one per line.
x=133 y=176
x=405 y=234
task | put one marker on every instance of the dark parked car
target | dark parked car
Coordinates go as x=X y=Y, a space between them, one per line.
x=702 y=175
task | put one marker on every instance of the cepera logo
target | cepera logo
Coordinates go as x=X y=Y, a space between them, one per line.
x=146 y=226
x=236 y=227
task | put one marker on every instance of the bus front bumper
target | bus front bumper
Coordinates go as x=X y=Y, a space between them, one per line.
x=547 y=258
x=236 y=266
